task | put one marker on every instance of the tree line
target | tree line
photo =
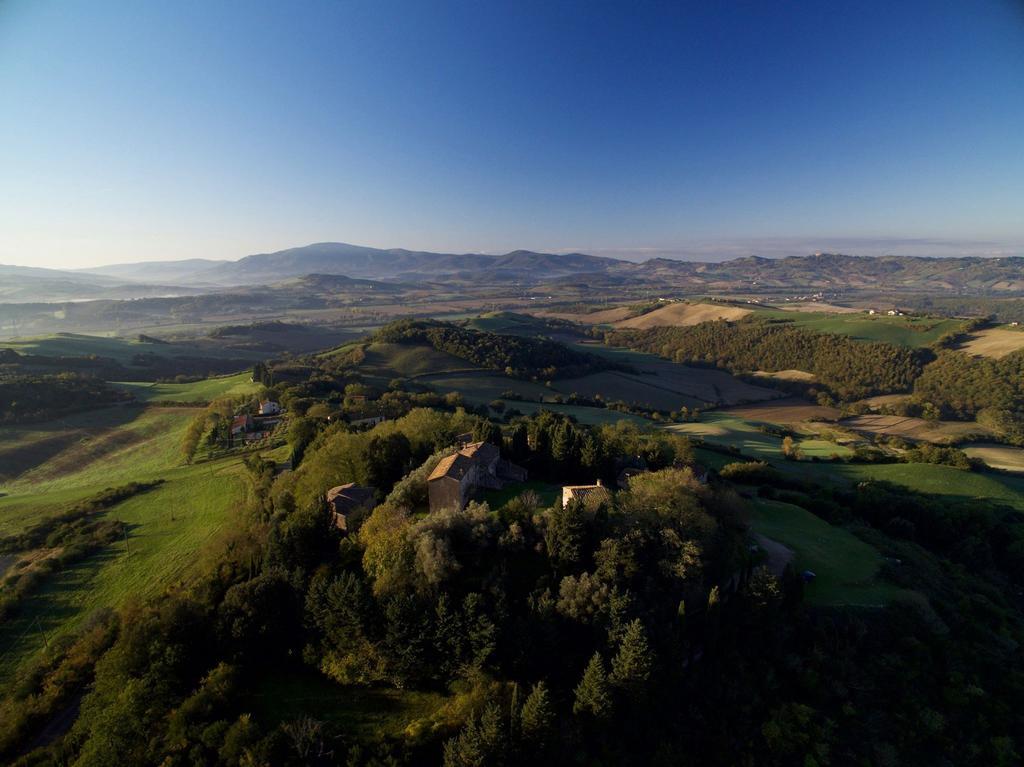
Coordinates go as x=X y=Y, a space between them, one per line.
x=634 y=628
x=516 y=356
x=846 y=368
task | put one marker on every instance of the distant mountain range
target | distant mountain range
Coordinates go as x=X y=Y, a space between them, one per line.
x=186 y=270
x=399 y=264
x=832 y=272
x=25 y=284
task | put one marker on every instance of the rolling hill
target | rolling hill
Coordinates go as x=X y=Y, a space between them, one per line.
x=823 y=271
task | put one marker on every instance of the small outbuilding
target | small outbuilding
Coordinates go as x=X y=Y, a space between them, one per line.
x=344 y=500
x=572 y=493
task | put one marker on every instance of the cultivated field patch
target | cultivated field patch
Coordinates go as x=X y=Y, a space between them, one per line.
x=918 y=429
x=705 y=384
x=728 y=431
x=786 y=411
x=600 y=317
x=997 y=456
x=481 y=387
x=914 y=332
x=678 y=315
x=885 y=400
x=787 y=375
x=818 y=306
x=994 y=342
x=647 y=391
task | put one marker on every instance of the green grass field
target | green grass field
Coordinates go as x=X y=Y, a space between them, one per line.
x=592 y=416
x=914 y=332
x=484 y=386
x=508 y=323
x=647 y=391
x=549 y=494
x=369 y=714
x=122 y=349
x=168 y=528
x=845 y=567
x=112 y=446
x=922 y=477
x=59 y=463
x=720 y=428
x=77 y=345
x=408 y=361
x=729 y=431
x=199 y=391
x=822 y=448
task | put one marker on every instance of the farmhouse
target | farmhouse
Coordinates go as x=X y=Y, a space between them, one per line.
x=627 y=474
x=582 y=492
x=343 y=500
x=269 y=407
x=368 y=422
x=457 y=476
x=241 y=424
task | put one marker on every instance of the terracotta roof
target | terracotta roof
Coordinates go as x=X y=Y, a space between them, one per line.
x=455 y=466
x=350 y=496
x=581 y=491
x=481 y=451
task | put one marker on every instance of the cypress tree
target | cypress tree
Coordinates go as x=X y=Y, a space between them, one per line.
x=593 y=696
x=631 y=667
x=537 y=719
x=520 y=446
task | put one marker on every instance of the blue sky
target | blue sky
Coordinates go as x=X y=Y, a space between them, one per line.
x=146 y=130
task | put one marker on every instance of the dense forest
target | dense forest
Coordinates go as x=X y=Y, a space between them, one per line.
x=846 y=368
x=636 y=628
x=146 y=365
x=961 y=386
x=518 y=356
x=25 y=398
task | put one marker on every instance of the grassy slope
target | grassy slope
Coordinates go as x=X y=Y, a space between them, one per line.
x=647 y=391
x=77 y=345
x=702 y=384
x=729 y=431
x=922 y=477
x=508 y=323
x=845 y=566
x=121 y=349
x=198 y=391
x=168 y=528
x=121 y=445
x=721 y=429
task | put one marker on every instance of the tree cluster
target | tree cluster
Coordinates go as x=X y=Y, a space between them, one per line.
x=516 y=356
x=846 y=368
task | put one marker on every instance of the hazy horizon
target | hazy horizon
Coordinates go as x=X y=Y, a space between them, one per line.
x=708 y=251
x=703 y=132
